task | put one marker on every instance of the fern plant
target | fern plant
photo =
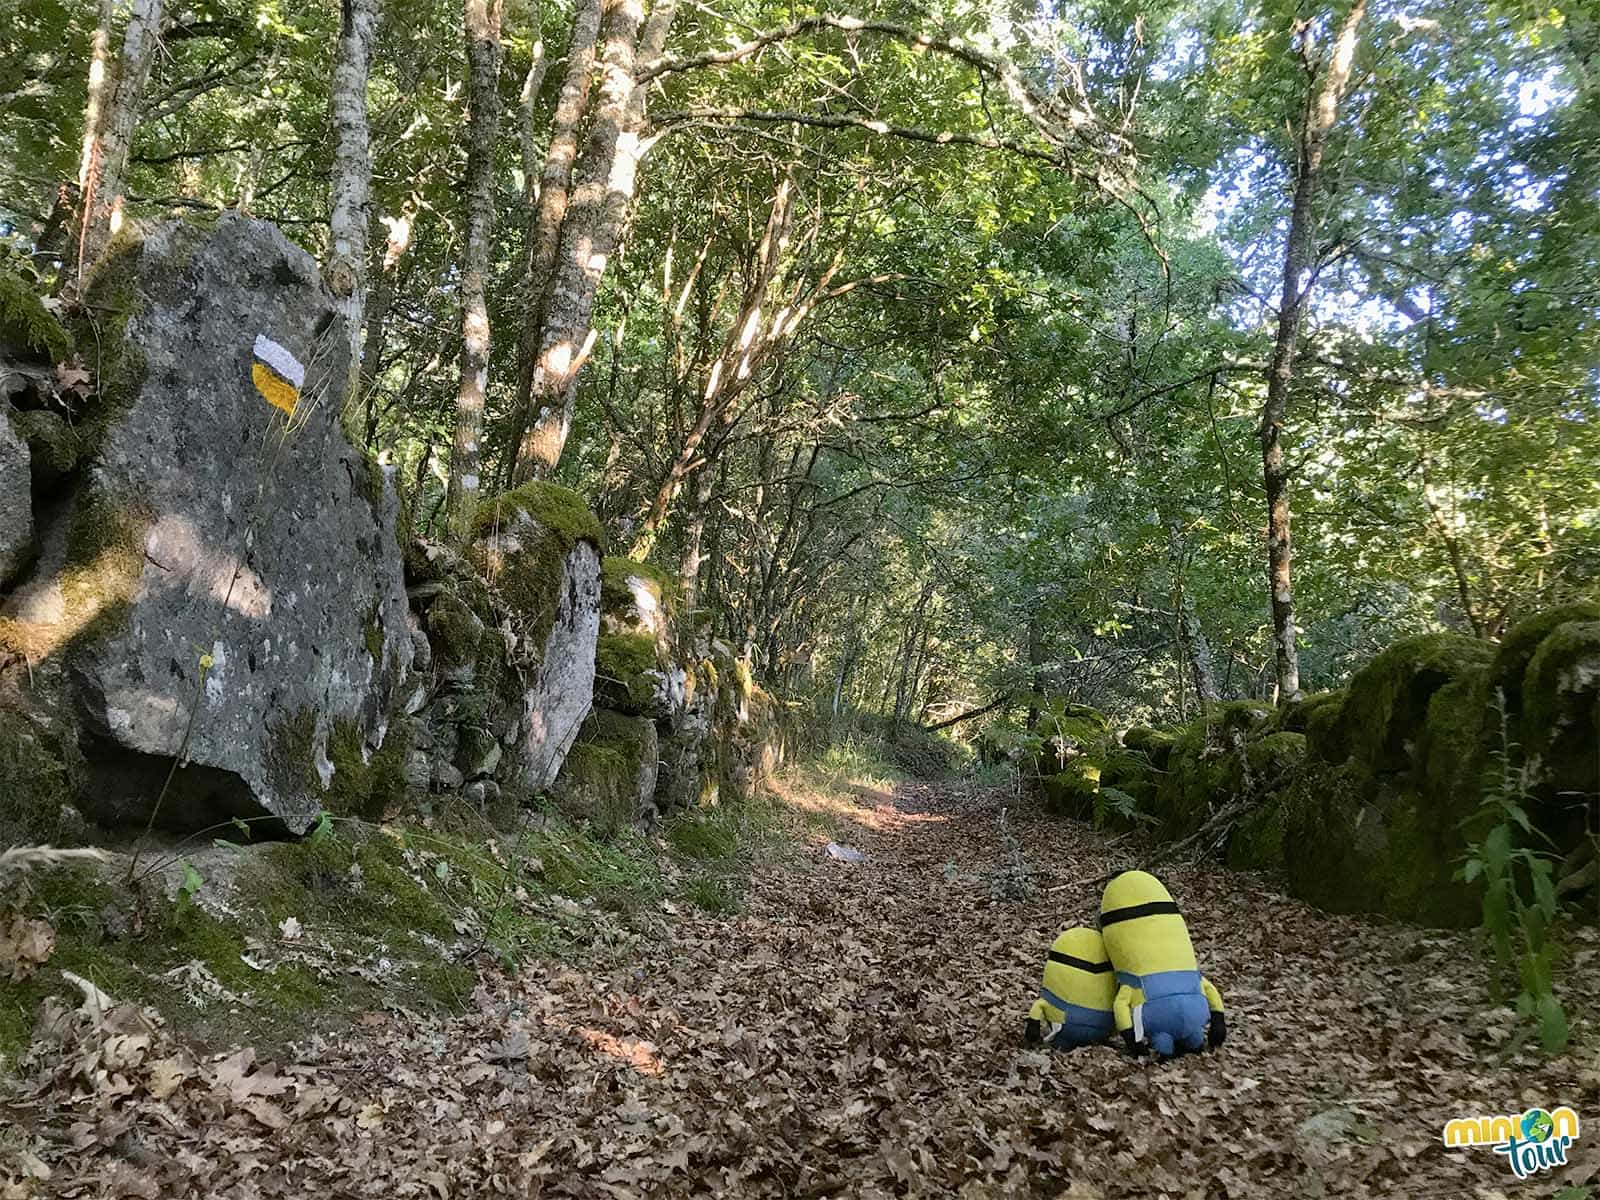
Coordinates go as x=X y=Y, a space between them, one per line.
x=1519 y=895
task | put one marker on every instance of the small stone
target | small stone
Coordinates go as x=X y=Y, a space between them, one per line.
x=419 y=770
x=417 y=698
x=421 y=651
x=475 y=794
x=446 y=778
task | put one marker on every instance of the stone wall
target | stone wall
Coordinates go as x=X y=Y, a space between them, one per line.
x=1367 y=798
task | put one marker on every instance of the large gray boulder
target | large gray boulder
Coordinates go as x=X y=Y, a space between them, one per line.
x=16 y=503
x=230 y=591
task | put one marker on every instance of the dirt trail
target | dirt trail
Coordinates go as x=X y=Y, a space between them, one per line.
x=854 y=1032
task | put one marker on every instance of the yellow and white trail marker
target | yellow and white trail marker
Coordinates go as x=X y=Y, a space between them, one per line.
x=278 y=374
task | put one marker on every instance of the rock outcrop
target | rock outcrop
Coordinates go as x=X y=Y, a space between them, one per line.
x=220 y=573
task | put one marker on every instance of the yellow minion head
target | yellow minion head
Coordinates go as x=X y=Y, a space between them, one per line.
x=1143 y=931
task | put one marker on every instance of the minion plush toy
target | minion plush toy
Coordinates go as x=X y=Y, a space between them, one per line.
x=1074 y=1004
x=1162 y=1001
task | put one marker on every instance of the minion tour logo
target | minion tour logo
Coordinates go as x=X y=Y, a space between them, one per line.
x=1536 y=1140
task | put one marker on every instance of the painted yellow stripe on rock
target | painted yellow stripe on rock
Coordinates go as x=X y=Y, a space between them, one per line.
x=274 y=389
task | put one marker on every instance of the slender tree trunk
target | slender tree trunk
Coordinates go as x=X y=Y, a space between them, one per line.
x=547 y=215
x=694 y=533
x=1452 y=545
x=352 y=174
x=482 y=22
x=847 y=660
x=1297 y=262
x=529 y=129
x=111 y=117
x=606 y=181
x=1196 y=648
x=377 y=317
x=1036 y=665
x=913 y=634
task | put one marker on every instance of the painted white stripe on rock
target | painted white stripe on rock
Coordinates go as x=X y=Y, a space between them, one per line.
x=280 y=360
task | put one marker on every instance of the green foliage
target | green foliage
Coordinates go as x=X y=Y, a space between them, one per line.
x=1519 y=895
x=716 y=896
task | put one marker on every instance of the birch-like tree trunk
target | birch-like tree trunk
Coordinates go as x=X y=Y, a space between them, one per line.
x=606 y=181
x=482 y=21
x=528 y=130
x=1321 y=113
x=553 y=188
x=110 y=118
x=1196 y=648
x=381 y=300
x=352 y=174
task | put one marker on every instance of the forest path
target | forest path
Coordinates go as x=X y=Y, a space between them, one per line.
x=854 y=1031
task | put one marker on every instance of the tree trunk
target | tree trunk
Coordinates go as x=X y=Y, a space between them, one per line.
x=377 y=317
x=549 y=210
x=111 y=116
x=1196 y=649
x=914 y=635
x=529 y=108
x=482 y=22
x=352 y=174
x=1036 y=665
x=606 y=179
x=694 y=533
x=1297 y=261
x=847 y=659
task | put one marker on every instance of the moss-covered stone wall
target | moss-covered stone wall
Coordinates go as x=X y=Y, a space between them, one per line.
x=1365 y=798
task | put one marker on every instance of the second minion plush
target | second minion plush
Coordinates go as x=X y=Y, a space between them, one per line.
x=1074 y=1004
x=1162 y=1001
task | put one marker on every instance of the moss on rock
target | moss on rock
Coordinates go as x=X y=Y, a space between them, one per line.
x=559 y=510
x=1560 y=726
x=1276 y=759
x=1245 y=715
x=1071 y=791
x=616 y=591
x=1326 y=736
x=1452 y=752
x=624 y=666
x=1256 y=844
x=54 y=446
x=455 y=631
x=1355 y=842
x=1521 y=643
x=363 y=784
x=1388 y=698
x=26 y=322
x=599 y=781
x=35 y=787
